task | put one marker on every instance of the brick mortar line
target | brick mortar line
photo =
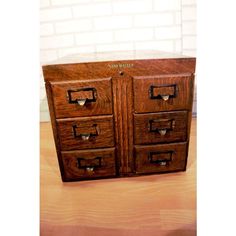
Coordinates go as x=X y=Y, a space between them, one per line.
x=109 y=30
x=115 y=14
x=116 y=42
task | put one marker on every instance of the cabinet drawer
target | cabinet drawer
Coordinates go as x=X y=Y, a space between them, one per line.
x=160 y=127
x=89 y=164
x=86 y=132
x=82 y=98
x=162 y=93
x=160 y=158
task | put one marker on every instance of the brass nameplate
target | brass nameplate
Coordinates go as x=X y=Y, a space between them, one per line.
x=121 y=65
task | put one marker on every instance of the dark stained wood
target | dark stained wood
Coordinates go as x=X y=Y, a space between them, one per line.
x=144 y=103
x=73 y=171
x=175 y=124
x=191 y=96
x=86 y=125
x=102 y=105
x=54 y=127
x=123 y=106
x=121 y=113
x=145 y=165
x=97 y=70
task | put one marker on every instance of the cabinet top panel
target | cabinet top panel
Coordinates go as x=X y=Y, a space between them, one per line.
x=115 y=56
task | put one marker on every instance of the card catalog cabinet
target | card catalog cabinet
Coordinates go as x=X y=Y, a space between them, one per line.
x=120 y=114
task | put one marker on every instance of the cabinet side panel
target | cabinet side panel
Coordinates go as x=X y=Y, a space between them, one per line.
x=190 y=115
x=192 y=78
x=54 y=128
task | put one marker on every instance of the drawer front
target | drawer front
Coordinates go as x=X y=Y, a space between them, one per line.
x=162 y=93
x=86 y=132
x=89 y=164
x=160 y=127
x=160 y=158
x=82 y=98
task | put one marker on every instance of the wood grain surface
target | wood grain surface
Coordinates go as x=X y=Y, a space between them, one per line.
x=123 y=108
x=86 y=125
x=102 y=105
x=119 y=88
x=101 y=160
x=175 y=123
x=139 y=206
x=106 y=69
x=172 y=154
x=144 y=103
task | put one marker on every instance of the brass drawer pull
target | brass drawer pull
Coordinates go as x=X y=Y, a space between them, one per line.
x=84 y=96
x=163 y=92
x=82 y=102
x=160 y=158
x=162 y=132
x=85 y=136
x=89 y=165
x=161 y=126
x=90 y=170
x=165 y=97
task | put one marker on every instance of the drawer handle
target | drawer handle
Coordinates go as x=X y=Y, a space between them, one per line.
x=163 y=92
x=160 y=158
x=86 y=95
x=162 y=132
x=81 y=102
x=85 y=136
x=165 y=97
x=161 y=126
x=90 y=169
x=89 y=164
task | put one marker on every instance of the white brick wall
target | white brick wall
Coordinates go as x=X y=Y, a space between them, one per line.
x=189 y=27
x=167 y=5
x=54 y=14
x=73 y=26
x=79 y=26
x=92 y=9
x=131 y=7
x=154 y=19
x=113 y=22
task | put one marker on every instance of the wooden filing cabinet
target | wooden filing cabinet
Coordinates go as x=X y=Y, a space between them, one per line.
x=120 y=114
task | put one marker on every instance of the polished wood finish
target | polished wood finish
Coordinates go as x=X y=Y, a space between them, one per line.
x=54 y=126
x=149 y=158
x=148 y=127
x=102 y=105
x=146 y=205
x=123 y=107
x=71 y=131
x=145 y=103
x=119 y=97
x=102 y=159
x=97 y=70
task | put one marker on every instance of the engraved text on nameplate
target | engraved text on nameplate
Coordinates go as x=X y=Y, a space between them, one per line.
x=121 y=65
